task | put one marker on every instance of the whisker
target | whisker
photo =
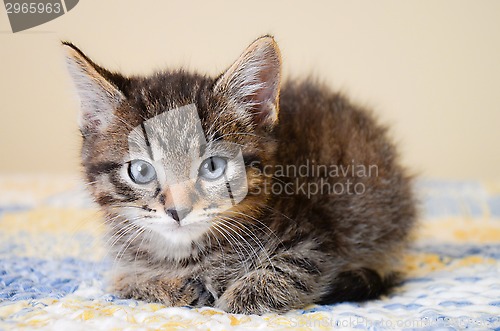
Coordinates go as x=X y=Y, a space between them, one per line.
x=260 y=222
x=256 y=240
x=221 y=250
x=128 y=242
x=244 y=241
x=234 y=246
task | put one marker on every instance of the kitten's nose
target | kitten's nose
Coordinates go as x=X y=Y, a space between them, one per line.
x=177 y=214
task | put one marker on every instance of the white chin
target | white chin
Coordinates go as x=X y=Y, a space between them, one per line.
x=174 y=240
x=180 y=234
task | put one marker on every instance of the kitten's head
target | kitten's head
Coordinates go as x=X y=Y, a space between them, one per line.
x=175 y=153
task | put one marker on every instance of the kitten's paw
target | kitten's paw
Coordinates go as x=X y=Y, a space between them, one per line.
x=171 y=292
x=259 y=292
x=196 y=293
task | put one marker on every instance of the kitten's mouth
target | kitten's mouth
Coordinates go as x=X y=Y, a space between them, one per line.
x=166 y=223
x=177 y=233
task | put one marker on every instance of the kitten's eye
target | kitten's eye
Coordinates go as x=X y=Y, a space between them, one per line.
x=141 y=172
x=213 y=167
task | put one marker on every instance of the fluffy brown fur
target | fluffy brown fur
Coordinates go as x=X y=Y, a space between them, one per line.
x=273 y=251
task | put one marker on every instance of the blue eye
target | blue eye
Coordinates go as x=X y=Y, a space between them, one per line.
x=213 y=167
x=141 y=172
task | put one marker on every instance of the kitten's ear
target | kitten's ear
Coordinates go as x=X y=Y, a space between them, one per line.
x=253 y=81
x=98 y=96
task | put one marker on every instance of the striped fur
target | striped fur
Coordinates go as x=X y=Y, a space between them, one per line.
x=271 y=251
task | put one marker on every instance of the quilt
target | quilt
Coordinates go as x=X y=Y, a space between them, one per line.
x=53 y=267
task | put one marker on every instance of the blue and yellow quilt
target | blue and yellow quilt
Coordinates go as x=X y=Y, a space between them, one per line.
x=52 y=270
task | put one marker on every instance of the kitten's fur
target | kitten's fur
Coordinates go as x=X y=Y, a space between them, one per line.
x=271 y=252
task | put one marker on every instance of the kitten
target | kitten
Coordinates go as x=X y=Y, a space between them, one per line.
x=240 y=192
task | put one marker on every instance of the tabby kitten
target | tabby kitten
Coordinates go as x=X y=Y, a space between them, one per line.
x=255 y=196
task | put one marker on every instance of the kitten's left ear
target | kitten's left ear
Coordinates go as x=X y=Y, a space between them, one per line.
x=99 y=96
x=253 y=82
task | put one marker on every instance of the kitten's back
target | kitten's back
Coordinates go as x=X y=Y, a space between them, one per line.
x=366 y=205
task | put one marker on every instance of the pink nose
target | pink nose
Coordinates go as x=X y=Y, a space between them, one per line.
x=177 y=214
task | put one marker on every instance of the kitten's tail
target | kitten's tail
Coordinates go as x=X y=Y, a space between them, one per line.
x=359 y=285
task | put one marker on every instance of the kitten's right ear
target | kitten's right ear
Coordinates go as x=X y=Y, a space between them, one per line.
x=98 y=96
x=253 y=82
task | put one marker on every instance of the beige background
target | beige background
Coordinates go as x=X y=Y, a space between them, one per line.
x=431 y=69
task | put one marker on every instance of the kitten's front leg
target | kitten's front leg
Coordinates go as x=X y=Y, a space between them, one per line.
x=297 y=282
x=266 y=290
x=182 y=291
